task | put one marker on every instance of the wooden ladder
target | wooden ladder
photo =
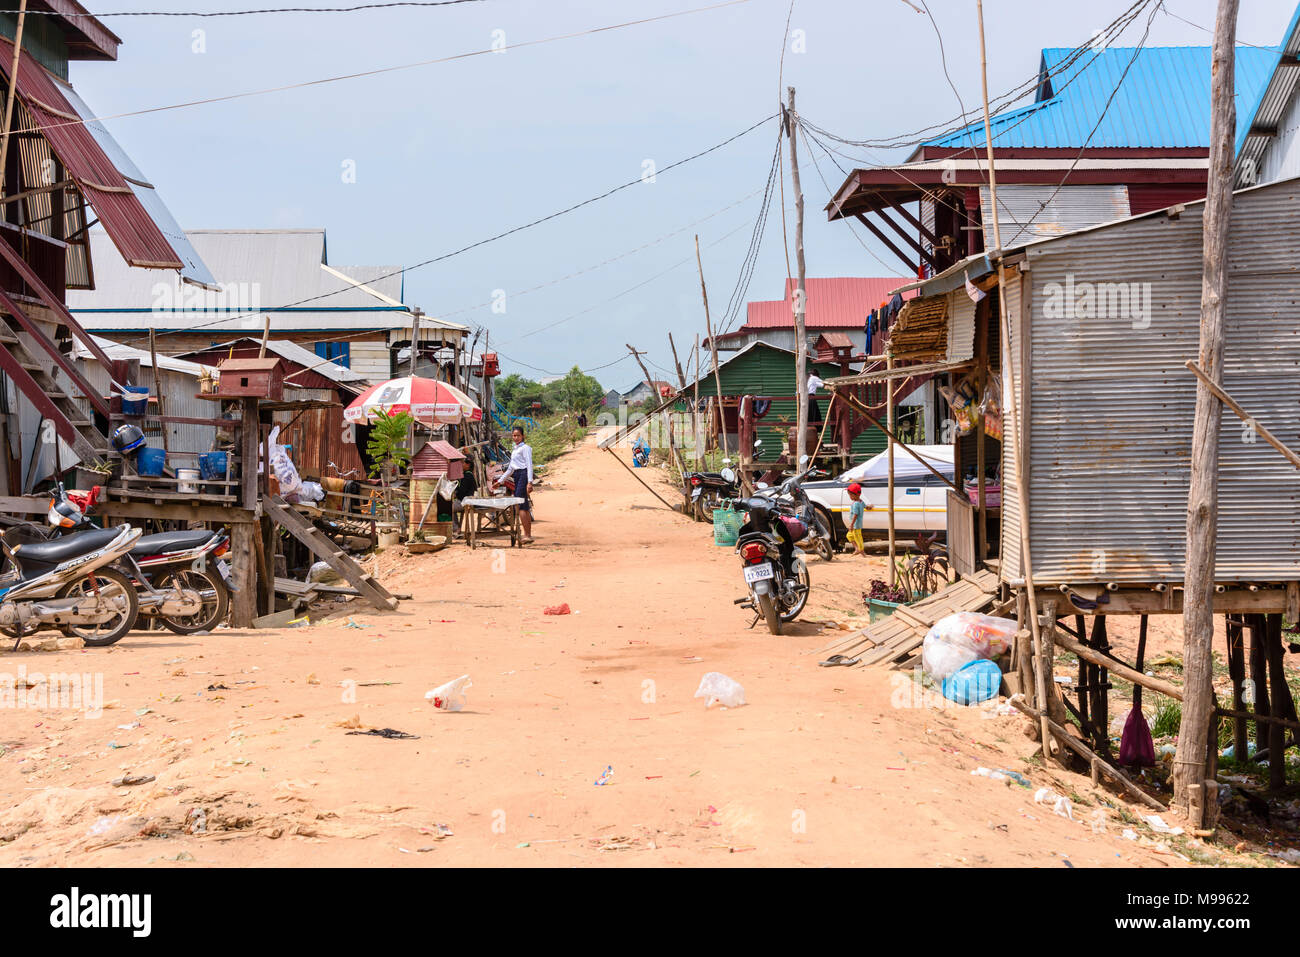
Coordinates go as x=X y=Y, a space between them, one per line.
x=73 y=421
x=324 y=549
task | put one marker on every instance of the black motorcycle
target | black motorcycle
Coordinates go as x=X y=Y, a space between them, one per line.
x=707 y=490
x=775 y=572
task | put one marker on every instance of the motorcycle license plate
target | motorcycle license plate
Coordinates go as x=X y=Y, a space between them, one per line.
x=757 y=573
x=696 y=494
x=223 y=566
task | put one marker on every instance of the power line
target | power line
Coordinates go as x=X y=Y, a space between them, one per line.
x=381 y=70
x=243 y=13
x=490 y=239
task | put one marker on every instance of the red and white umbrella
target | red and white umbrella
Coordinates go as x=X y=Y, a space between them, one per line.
x=427 y=400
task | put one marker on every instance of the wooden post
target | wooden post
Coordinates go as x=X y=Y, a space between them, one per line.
x=157 y=385
x=1278 y=691
x=695 y=404
x=266 y=336
x=13 y=90
x=889 y=457
x=1189 y=771
x=800 y=308
x=243 y=546
x=1012 y=410
x=1234 y=627
x=1259 y=676
x=713 y=348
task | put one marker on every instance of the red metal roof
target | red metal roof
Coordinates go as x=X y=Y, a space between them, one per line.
x=126 y=221
x=838 y=303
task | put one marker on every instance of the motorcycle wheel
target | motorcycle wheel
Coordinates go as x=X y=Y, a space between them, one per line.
x=826 y=541
x=111 y=582
x=805 y=580
x=767 y=603
x=214 y=609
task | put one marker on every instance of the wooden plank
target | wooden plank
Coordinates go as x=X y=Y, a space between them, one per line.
x=323 y=548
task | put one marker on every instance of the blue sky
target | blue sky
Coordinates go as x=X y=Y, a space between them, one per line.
x=451 y=153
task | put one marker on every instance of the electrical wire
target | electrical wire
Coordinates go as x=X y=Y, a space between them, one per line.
x=244 y=13
x=484 y=242
x=381 y=70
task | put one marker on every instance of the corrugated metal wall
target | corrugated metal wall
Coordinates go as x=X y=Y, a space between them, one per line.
x=1111 y=405
x=1017 y=289
x=1023 y=218
x=1281 y=158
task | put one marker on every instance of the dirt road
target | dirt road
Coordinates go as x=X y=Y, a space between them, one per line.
x=246 y=733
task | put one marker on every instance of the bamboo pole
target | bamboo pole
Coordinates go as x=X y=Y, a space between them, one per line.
x=13 y=90
x=713 y=348
x=1190 y=762
x=889 y=444
x=1242 y=414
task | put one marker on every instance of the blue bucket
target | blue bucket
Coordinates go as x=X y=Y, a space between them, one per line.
x=135 y=400
x=150 y=462
x=212 y=466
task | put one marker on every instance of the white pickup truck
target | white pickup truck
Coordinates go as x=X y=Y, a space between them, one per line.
x=920 y=497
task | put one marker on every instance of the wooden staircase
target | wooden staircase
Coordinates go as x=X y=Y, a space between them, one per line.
x=327 y=551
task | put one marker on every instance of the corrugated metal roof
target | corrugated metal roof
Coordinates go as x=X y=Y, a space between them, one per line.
x=119 y=209
x=193 y=267
x=287 y=349
x=1261 y=156
x=1162 y=103
x=833 y=303
x=259 y=271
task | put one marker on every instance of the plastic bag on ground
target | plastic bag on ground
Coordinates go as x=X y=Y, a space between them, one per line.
x=451 y=696
x=973 y=682
x=959 y=639
x=717 y=687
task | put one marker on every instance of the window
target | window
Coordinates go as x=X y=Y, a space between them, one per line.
x=338 y=352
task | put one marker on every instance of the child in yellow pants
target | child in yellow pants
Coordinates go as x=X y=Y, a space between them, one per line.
x=857 y=515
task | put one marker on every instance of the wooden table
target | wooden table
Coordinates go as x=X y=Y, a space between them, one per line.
x=498 y=513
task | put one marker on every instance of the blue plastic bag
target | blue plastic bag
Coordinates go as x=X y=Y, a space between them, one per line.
x=974 y=682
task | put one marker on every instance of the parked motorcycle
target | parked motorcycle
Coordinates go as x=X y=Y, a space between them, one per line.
x=775 y=572
x=820 y=537
x=69 y=583
x=708 y=490
x=180 y=576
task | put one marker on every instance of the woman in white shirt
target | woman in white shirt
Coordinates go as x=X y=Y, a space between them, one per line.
x=814 y=383
x=518 y=480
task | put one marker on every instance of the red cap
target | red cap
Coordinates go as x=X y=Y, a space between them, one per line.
x=855 y=489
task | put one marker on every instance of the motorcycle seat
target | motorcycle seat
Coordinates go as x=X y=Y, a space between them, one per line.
x=66 y=547
x=163 y=542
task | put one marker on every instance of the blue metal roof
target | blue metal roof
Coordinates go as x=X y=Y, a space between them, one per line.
x=1163 y=102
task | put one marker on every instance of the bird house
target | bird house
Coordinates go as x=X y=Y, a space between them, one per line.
x=436 y=459
x=256 y=378
x=491 y=365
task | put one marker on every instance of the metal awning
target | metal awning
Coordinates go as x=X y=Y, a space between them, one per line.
x=120 y=211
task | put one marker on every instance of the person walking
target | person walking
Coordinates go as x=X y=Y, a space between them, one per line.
x=518 y=479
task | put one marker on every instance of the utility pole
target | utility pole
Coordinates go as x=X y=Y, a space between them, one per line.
x=800 y=298
x=416 y=313
x=681 y=376
x=1189 y=772
x=713 y=348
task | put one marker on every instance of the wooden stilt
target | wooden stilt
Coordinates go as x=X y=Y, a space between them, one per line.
x=1278 y=693
x=1237 y=672
x=1259 y=677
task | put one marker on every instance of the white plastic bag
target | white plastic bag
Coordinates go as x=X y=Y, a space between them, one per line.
x=451 y=696
x=717 y=687
x=283 y=469
x=959 y=639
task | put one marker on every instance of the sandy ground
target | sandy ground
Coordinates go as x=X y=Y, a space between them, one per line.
x=246 y=733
